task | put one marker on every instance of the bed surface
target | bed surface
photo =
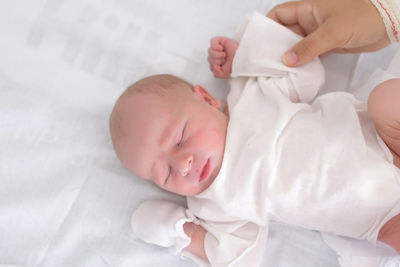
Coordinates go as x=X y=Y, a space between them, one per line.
x=65 y=200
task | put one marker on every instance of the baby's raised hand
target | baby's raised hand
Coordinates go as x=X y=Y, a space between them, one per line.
x=220 y=56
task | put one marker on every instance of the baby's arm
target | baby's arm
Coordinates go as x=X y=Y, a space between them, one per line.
x=167 y=224
x=220 y=56
x=197 y=235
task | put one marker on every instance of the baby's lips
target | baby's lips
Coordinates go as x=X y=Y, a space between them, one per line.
x=205 y=171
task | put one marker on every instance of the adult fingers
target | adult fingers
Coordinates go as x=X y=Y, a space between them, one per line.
x=322 y=40
x=285 y=14
x=303 y=14
x=309 y=17
x=297 y=29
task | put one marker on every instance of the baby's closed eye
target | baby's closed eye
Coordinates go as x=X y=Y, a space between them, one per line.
x=182 y=140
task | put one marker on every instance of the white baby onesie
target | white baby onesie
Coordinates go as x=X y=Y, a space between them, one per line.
x=311 y=162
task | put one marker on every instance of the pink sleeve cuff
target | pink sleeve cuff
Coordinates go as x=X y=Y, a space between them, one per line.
x=390 y=13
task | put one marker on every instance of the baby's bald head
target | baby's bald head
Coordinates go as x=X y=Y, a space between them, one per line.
x=169 y=132
x=158 y=86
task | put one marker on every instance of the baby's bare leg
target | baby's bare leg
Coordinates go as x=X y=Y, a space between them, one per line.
x=390 y=233
x=384 y=109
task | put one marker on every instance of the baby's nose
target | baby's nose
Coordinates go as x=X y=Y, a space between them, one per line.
x=186 y=165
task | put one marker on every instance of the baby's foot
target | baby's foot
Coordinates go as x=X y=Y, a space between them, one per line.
x=220 y=56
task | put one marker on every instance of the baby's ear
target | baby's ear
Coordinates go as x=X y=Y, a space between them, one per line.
x=203 y=94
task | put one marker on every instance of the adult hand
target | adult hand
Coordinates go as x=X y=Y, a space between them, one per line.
x=341 y=26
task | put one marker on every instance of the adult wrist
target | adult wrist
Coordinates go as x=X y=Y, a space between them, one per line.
x=389 y=11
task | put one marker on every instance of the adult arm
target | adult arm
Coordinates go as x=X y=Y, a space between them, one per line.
x=343 y=26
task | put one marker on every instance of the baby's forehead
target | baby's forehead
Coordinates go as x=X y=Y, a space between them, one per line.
x=139 y=107
x=159 y=85
x=166 y=98
x=141 y=111
x=144 y=104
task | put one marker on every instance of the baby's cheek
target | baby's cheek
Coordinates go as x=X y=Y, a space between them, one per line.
x=183 y=187
x=216 y=138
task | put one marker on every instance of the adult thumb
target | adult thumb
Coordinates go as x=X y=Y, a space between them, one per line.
x=316 y=43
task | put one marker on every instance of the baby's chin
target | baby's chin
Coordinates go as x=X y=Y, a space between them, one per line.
x=192 y=191
x=204 y=185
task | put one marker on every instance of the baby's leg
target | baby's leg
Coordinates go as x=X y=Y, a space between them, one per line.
x=384 y=109
x=390 y=233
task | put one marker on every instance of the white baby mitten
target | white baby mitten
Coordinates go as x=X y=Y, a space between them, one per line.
x=161 y=222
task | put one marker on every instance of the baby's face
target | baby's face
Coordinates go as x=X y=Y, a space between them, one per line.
x=176 y=141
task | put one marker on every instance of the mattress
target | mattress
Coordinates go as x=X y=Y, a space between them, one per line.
x=65 y=199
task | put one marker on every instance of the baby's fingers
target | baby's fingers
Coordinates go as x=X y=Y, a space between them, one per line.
x=216 y=54
x=216 y=59
x=216 y=43
x=217 y=70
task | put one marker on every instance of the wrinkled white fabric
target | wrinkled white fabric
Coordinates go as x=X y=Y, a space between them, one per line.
x=357 y=253
x=315 y=163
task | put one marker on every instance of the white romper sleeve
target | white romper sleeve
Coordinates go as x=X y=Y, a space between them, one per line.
x=262 y=44
x=249 y=240
x=232 y=244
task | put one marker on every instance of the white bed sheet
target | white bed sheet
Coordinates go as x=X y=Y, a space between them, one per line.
x=65 y=200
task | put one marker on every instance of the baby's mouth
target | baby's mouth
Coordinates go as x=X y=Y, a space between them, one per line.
x=205 y=173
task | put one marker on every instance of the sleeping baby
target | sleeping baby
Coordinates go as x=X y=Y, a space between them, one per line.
x=276 y=152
